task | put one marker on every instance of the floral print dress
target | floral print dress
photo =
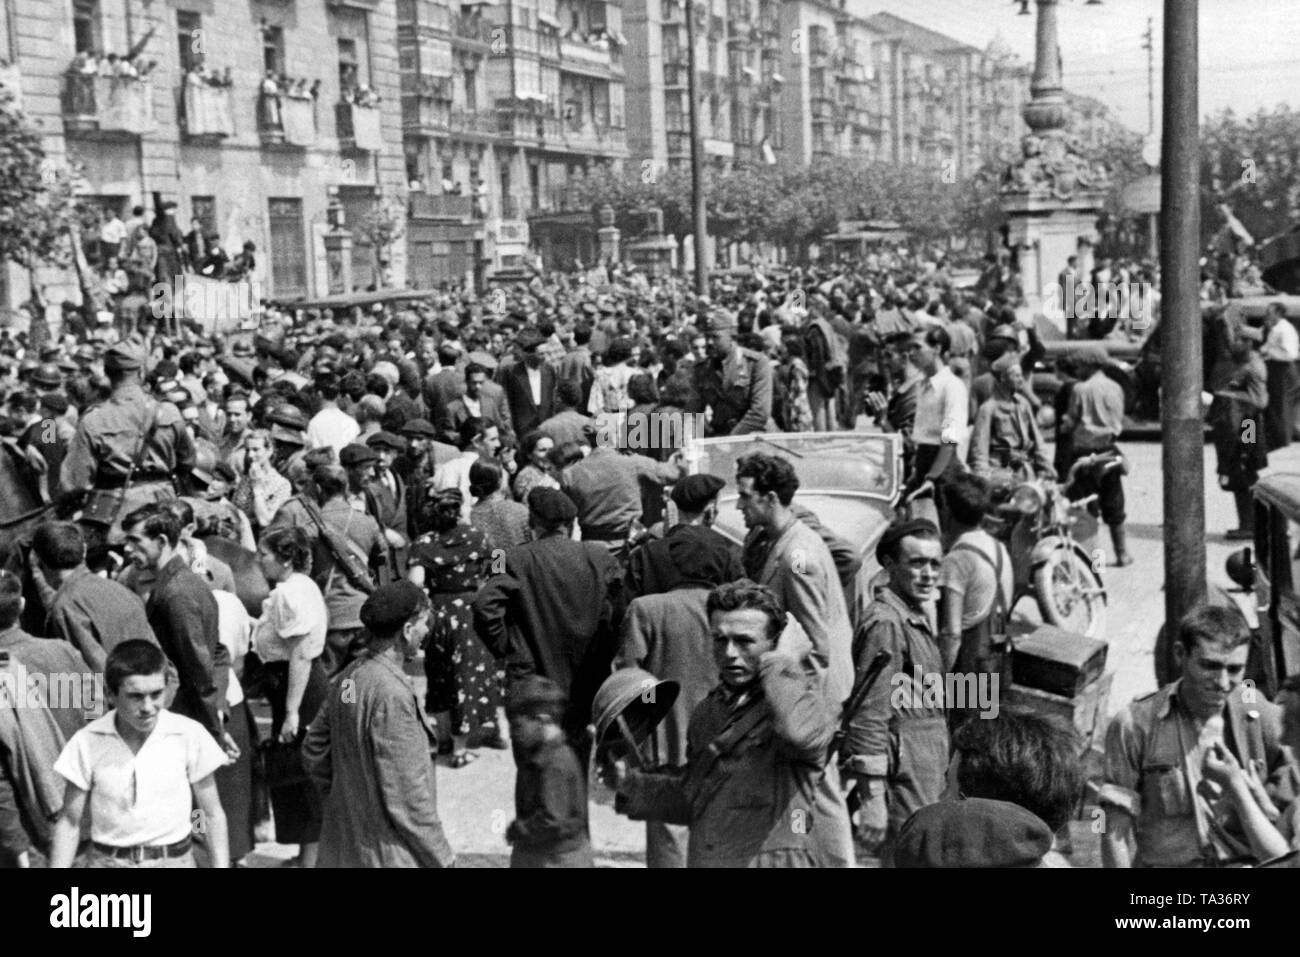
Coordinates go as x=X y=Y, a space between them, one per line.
x=464 y=677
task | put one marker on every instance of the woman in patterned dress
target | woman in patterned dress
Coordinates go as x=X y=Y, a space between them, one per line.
x=451 y=562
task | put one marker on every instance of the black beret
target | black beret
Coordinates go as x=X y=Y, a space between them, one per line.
x=55 y=402
x=551 y=506
x=974 y=832
x=391 y=606
x=694 y=492
x=357 y=454
x=419 y=429
x=386 y=440
x=536 y=694
x=900 y=530
x=529 y=339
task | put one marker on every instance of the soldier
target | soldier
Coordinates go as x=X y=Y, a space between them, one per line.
x=1006 y=431
x=735 y=382
x=129 y=451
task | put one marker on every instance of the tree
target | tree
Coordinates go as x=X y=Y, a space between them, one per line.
x=1253 y=166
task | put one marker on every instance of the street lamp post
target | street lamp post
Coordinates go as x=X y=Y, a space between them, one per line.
x=697 y=157
x=1181 y=375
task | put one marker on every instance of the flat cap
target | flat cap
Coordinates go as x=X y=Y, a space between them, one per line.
x=1004 y=331
x=418 y=429
x=529 y=339
x=356 y=454
x=391 y=606
x=974 y=832
x=1005 y=362
x=898 y=531
x=282 y=433
x=124 y=357
x=551 y=506
x=720 y=320
x=84 y=354
x=290 y=416
x=535 y=694
x=386 y=440
x=242 y=348
x=694 y=492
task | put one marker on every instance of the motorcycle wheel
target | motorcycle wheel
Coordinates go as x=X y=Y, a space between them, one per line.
x=1070 y=595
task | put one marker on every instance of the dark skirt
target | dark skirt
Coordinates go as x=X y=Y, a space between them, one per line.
x=297 y=805
x=464 y=677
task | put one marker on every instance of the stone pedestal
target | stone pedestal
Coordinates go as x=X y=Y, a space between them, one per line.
x=1047 y=232
x=338 y=261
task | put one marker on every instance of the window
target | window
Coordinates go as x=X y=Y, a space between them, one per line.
x=273 y=49
x=471 y=93
x=85 y=26
x=189 y=39
x=204 y=209
x=348 y=76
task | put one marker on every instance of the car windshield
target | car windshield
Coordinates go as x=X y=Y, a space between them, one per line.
x=863 y=463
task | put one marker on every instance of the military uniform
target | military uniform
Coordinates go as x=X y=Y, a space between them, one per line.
x=1007 y=437
x=1155 y=752
x=738 y=389
x=104 y=446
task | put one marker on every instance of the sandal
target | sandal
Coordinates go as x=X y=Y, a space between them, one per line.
x=462 y=758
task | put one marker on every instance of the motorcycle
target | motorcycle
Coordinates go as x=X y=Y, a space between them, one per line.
x=1037 y=522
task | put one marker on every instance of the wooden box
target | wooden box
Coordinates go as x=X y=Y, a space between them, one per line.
x=1085 y=710
x=1056 y=661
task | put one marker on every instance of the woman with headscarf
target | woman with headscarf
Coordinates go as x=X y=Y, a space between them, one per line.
x=451 y=562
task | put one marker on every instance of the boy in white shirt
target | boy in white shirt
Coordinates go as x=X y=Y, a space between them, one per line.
x=144 y=770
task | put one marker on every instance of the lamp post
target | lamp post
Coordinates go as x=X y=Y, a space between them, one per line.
x=1181 y=376
x=697 y=157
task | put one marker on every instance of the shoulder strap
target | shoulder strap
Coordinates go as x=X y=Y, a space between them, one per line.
x=999 y=600
x=145 y=436
x=341 y=548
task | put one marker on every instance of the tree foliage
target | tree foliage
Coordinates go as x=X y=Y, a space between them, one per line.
x=1252 y=164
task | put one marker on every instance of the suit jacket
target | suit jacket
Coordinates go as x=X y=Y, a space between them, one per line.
x=183 y=616
x=526 y=414
x=367 y=751
x=494 y=408
x=441 y=388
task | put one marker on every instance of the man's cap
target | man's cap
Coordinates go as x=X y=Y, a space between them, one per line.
x=898 y=531
x=55 y=402
x=67 y=365
x=1004 y=331
x=720 y=320
x=974 y=832
x=51 y=353
x=350 y=456
x=529 y=339
x=172 y=391
x=551 y=506
x=124 y=357
x=386 y=440
x=418 y=429
x=47 y=374
x=391 y=606
x=290 y=416
x=1005 y=362
x=534 y=694
x=485 y=359
x=694 y=492
x=281 y=433
x=242 y=348
x=84 y=354
x=388 y=371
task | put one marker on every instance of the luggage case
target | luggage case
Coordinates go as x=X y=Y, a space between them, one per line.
x=1057 y=661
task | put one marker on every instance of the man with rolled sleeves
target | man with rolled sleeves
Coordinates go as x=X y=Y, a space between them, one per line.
x=897 y=742
x=111 y=437
x=734 y=382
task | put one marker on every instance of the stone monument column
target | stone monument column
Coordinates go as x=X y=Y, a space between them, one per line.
x=1052 y=194
x=608 y=235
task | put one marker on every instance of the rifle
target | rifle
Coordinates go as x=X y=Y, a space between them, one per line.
x=859 y=695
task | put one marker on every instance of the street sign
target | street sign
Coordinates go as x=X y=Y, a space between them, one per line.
x=1143 y=195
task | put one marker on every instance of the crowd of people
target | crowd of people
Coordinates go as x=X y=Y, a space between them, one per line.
x=304 y=519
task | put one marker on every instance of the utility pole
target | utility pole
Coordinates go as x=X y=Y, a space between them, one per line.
x=1149 y=44
x=697 y=157
x=1181 y=376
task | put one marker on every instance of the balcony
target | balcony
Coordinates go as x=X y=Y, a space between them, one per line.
x=585 y=55
x=108 y=105
x=594 y=138
x=473 y=31
x=444 y=206
x=423 y=13
x=561 y=199
x=528 y=127
x=679 y=142
x=426 y=115
x=358 y=127
x=676 y=76
x=284 y=120
x=206 y=112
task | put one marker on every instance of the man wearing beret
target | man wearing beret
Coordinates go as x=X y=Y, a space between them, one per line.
x=652 y=569
x=1006 y=431
x=734 y=382
x=899 y=754
x=130 y=433
x=368 y=749
x=555 y=609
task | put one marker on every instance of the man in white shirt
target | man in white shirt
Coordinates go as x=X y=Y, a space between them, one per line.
x=331 y=426
x=479 y=439
x=145 y=771
x=940 y=431
x=1281 y=349
x=111 y=236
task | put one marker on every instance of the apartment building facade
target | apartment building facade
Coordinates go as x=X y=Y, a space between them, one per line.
x=271 y=121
